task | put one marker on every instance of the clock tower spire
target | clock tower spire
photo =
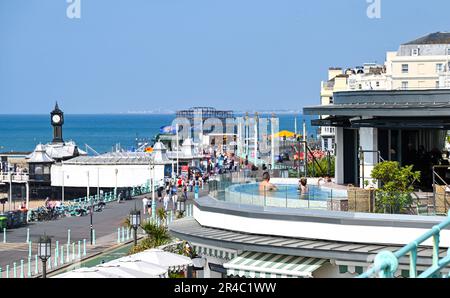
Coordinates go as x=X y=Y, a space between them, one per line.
x=57 y=120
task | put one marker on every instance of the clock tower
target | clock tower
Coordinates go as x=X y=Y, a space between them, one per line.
x=57 y=120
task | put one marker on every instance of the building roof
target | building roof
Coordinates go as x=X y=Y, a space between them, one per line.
x=63 y=150
x=136 y=158
x=39 y=155
x=398 y=109
x=433 y=38
x=160 y=153
x=386 y=103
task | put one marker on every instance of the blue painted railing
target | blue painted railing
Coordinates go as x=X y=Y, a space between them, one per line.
x=386 y=262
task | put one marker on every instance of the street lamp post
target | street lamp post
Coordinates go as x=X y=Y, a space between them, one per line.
x=135 y=221
x=44 y=252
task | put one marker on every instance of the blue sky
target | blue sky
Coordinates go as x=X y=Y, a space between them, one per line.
x=237 y=54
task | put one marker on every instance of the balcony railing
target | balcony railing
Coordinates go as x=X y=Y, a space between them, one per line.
x=15 y=177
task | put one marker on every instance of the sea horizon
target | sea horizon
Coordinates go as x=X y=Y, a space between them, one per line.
x=22 y=132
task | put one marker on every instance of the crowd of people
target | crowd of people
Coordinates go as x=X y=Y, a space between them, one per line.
x=172 y=190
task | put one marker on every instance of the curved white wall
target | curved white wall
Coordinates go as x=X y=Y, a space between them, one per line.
x=315 y=230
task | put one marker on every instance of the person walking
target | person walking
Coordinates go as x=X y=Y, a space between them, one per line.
x=166 y=201
x=144 y=204
x=174 y=198
x=159 y=191
x=185 y=192
x=191 y=185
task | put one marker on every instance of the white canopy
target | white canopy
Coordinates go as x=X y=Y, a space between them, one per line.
x=168 y=260
x=84 y=272
x=123 y=271
x=142 y=266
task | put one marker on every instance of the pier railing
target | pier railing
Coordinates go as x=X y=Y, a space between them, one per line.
x=386 y=262
x=14 y=177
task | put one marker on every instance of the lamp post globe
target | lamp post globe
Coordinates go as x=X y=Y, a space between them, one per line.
x=44 y=252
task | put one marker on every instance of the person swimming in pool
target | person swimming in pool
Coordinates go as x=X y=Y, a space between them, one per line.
x=265 y=185
x=303 y=186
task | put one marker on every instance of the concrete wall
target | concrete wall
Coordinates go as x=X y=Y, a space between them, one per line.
x=376 y=231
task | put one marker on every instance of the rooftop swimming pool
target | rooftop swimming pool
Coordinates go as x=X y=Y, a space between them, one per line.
x=284 y=191
x=286 y=195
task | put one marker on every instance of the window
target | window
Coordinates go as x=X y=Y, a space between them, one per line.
x=437 y=84
x=405 y=68
x=448 y=51
x=404 y=85
x=439 y=67
x=331 y=99
x=415 y=52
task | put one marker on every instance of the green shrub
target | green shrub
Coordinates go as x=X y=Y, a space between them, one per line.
x=156 y=236
x=395 y=193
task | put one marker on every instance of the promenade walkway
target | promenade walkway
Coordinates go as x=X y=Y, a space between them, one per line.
x=105 y=224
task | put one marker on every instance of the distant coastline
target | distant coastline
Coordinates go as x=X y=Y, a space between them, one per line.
x=237 y=112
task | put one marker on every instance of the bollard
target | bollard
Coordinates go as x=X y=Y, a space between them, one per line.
x=36 y=269
x=56 y=252
x=93 y=236
x=28 y=235
x=21 y=269
x=61 y=257
x=29 y=267
x=68 y=236
x=73 y=251
x=67 y=253
x=79 y=249
x=84 y=247
x=14 y=270
x=4 y=235
x=118 y=235
x=128 y=234
x=7 y=271
x=123 y=234
x=29 y=249
x=49 y=261
x=1 y=273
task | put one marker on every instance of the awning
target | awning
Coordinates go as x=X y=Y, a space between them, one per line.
x=256 y=264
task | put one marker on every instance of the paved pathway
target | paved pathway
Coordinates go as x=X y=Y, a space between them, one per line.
x=105 y=224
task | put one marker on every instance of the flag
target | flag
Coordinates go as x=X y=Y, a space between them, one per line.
x=168 y=129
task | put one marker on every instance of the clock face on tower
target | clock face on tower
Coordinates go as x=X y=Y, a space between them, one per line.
x=56 y=118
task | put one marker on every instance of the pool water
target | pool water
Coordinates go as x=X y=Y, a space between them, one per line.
x=319 y=193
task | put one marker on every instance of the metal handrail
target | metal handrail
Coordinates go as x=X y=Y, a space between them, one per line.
x=386 y=262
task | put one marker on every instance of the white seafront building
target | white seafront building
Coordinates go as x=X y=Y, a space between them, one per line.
x=420 y=64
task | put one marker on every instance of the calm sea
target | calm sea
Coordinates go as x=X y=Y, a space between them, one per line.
x=101 y=132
